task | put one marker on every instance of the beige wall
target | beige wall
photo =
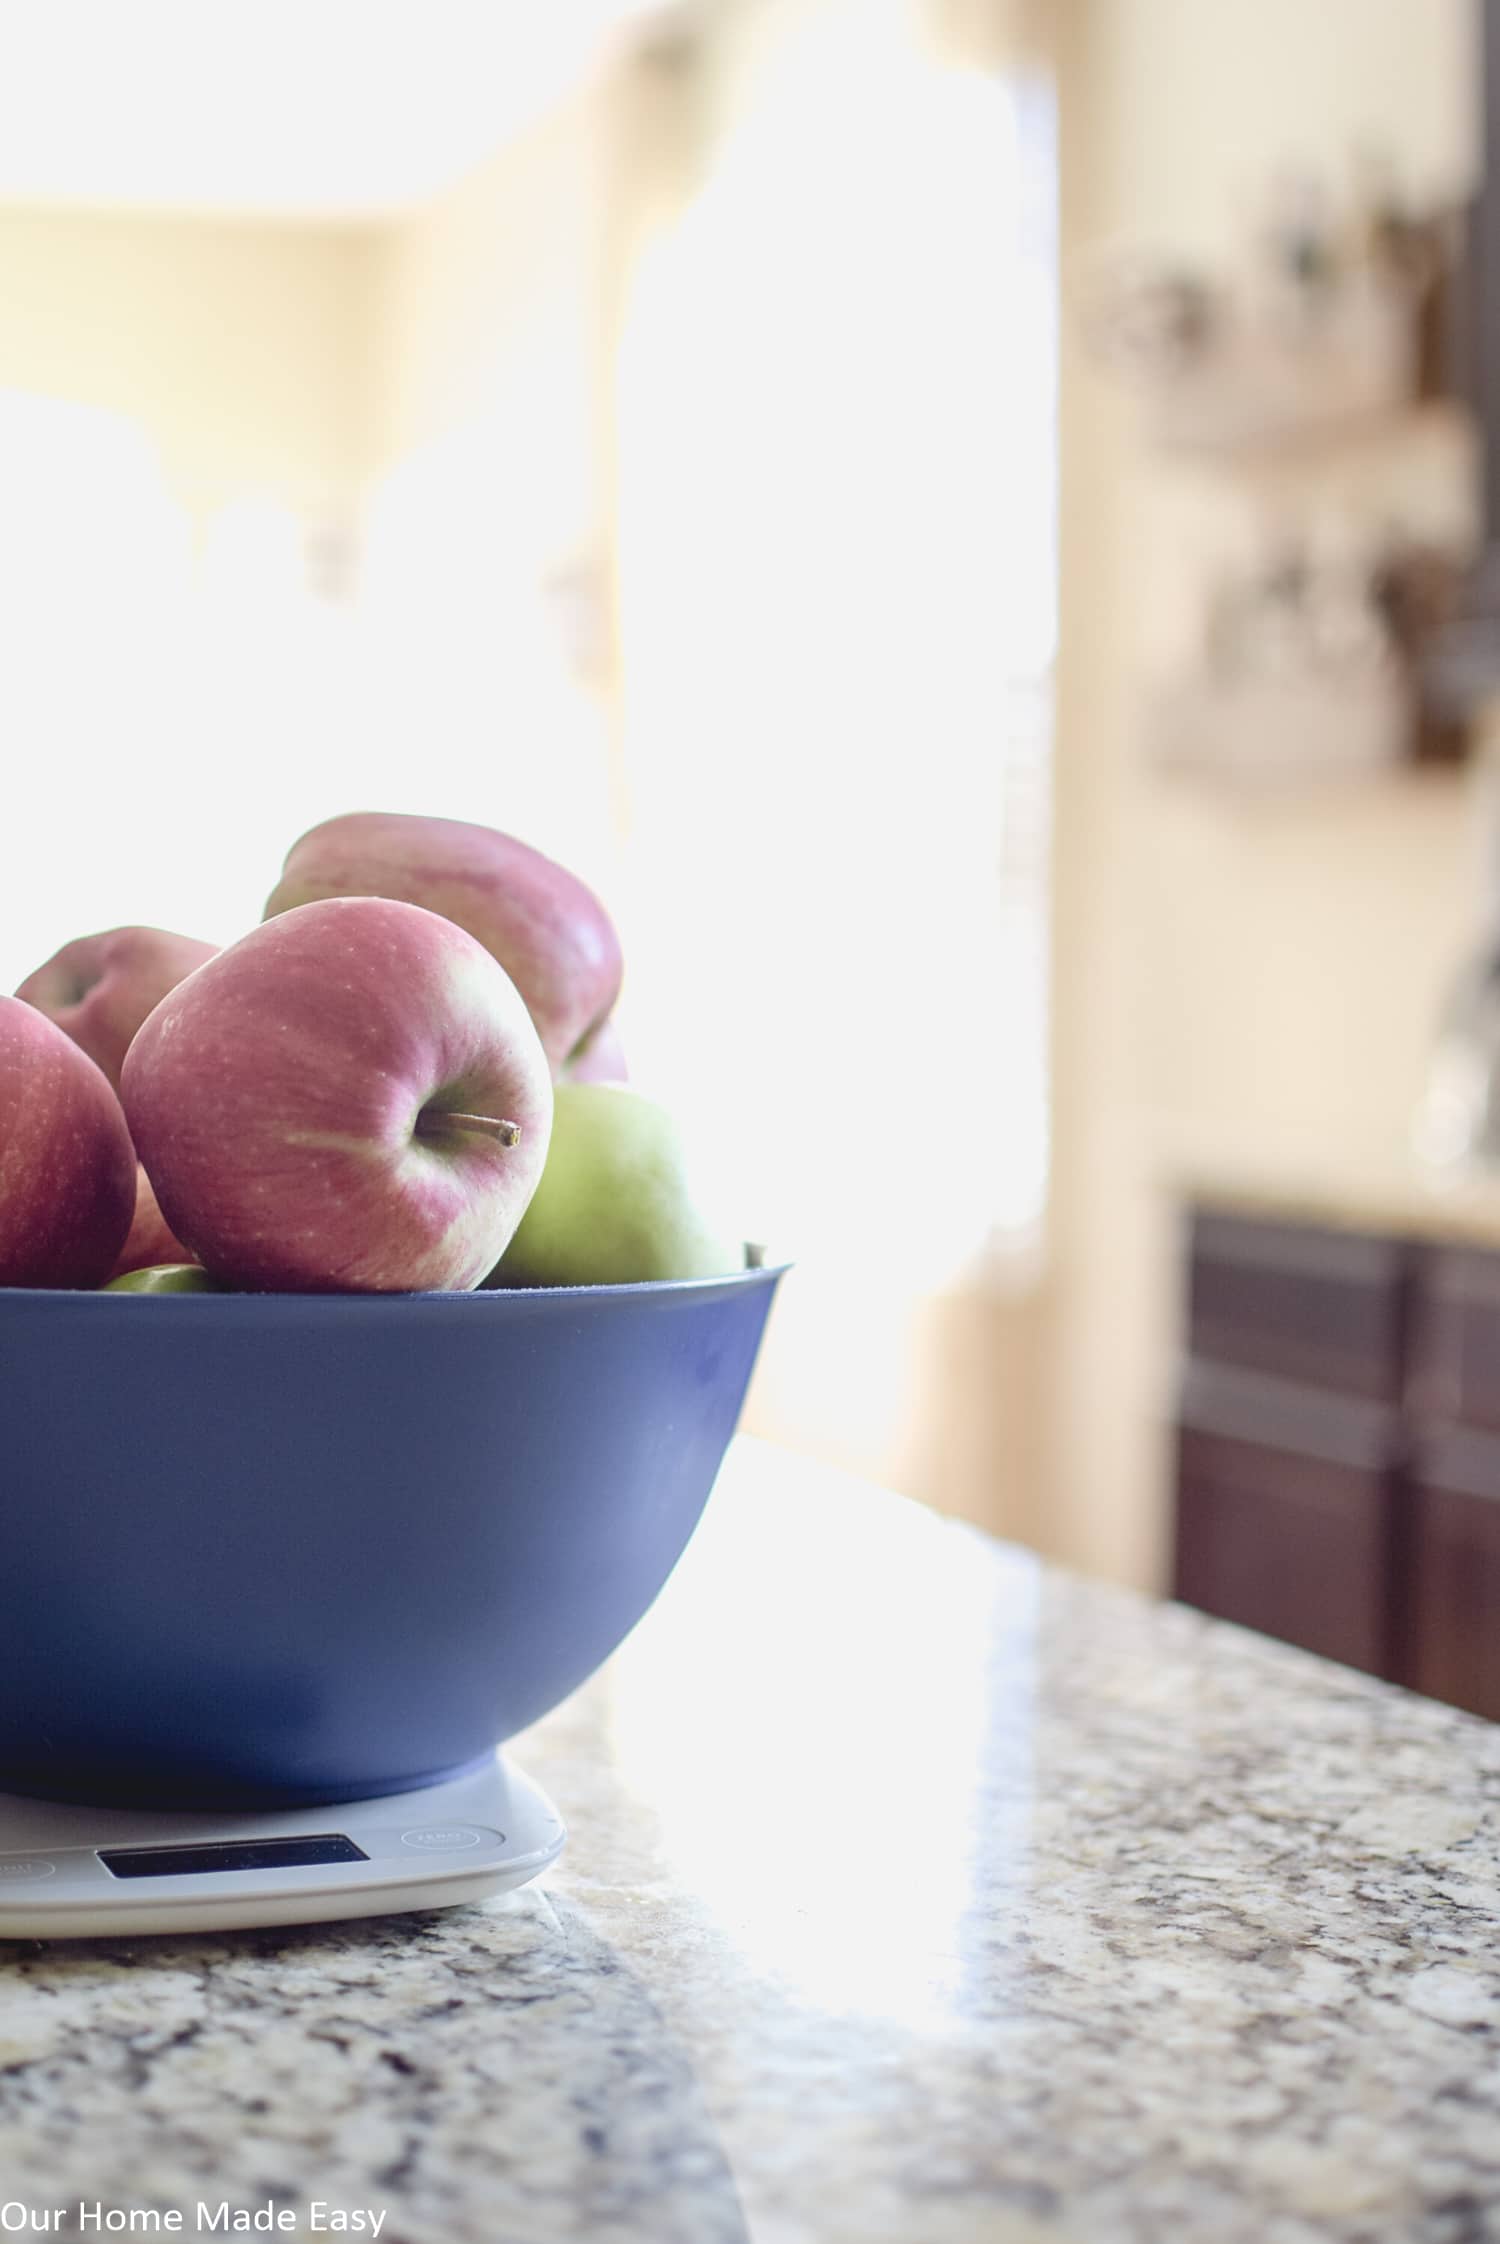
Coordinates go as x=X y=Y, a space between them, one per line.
x=489 y=315
x=238 y=347
x=486 y=507
x=170 y=385
x=1235 y=978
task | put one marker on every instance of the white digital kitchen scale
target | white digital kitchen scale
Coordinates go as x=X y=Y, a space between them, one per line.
x=71 y=1872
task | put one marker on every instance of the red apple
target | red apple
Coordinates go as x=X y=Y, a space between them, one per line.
x=151 y=1238
x=352 y=1098
x=67 y=1167
x=100 y=988
x=599 y=1059
x=550 y=933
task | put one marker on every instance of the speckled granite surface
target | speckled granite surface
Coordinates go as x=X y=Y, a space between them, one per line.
x=914 y=1893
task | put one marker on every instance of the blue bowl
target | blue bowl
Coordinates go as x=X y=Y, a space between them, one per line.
x=260 y=1549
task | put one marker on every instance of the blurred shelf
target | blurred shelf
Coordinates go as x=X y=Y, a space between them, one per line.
x=1352 y=370
x=1277 y=734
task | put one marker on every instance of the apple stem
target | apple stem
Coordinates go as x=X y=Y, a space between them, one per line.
x=435 y=1122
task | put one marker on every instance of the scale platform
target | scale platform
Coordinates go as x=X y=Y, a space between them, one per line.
x=70 y=1872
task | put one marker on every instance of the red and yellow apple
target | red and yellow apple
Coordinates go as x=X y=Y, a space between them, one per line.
x=100 y=988
x=547 y=929
x=350 y=1098
x=67 y=1167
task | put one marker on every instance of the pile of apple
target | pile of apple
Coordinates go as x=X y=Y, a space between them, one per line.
x=407 y=1078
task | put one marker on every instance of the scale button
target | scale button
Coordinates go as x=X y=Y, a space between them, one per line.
x=445 y=1838
x=17 y=1866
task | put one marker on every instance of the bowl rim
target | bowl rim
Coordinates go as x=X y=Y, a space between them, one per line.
x=213 y=1304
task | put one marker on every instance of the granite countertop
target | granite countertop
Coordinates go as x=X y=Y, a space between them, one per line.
x=916 y=1894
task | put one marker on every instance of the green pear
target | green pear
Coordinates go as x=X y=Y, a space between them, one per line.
x=164 y=1277
x=616 y=1204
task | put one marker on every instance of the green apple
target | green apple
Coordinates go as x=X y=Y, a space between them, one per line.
x=164 y=1277
x=616 y=1203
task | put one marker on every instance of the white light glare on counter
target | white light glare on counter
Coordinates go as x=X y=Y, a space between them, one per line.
x=839 y=1855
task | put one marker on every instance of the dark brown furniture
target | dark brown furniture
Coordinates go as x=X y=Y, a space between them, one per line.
x=1338 y=1447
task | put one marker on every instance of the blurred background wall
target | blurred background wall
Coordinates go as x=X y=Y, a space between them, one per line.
x=642 y=432
x=1239 y=982
x=236 y=349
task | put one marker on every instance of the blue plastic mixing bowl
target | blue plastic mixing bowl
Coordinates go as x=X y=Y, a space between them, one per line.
x=270 y=1548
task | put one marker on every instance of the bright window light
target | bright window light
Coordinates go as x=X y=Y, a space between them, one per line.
x=837 y=568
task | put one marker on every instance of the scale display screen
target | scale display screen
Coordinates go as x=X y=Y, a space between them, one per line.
x=229 y=1854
